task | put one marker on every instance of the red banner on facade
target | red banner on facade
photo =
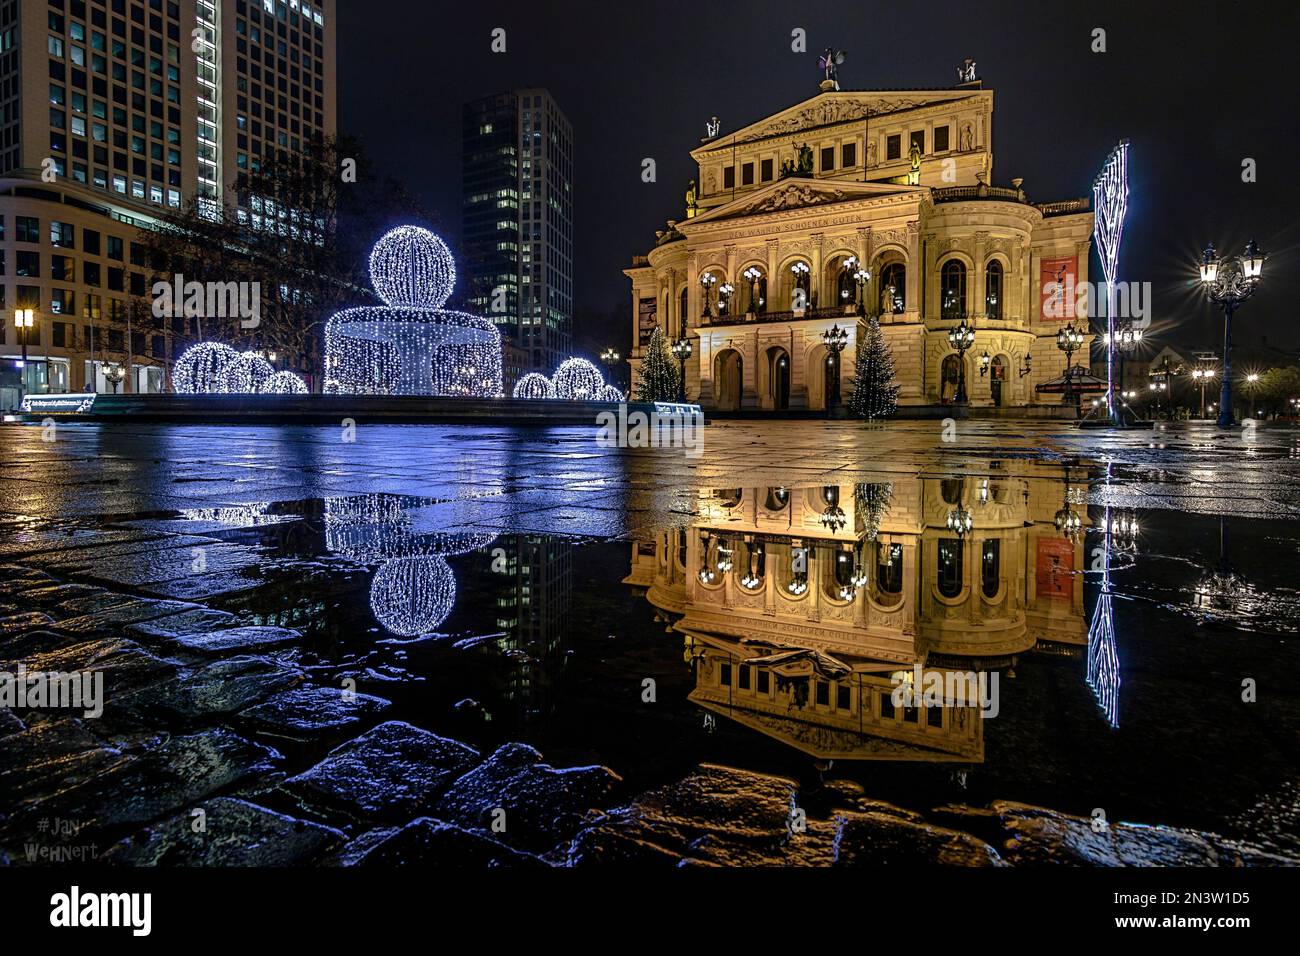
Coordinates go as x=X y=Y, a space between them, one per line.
x=1058 y=278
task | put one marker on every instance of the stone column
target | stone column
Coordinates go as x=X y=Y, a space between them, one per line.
x=916 y=270
x=816 y=288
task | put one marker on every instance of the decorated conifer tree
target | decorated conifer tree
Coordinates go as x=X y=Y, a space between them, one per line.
x=659 y=376
x=875 y=390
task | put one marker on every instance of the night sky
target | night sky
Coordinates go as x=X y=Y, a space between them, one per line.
x=1195 y=86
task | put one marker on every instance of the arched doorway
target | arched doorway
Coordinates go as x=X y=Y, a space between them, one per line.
x=997 y=379
x=728 y=375
x=948 y=379
x=818 y=378
x=777 y=367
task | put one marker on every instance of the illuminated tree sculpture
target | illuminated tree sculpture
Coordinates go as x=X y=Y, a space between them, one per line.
x=199 y=369
x=412 y=345
x=659 y=372
x=577 y=380
x=284 y=383
x=533 y=385
x=245 y=375
x=875 y=389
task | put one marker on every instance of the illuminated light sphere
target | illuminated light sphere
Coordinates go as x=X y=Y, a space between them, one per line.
x=534 y=385
x=412 y=345
x=411 y=268
x=412 y=596
x=284 y=383
x=609 y=394
x=577 y=380
x=245 y=375
x=198 y=369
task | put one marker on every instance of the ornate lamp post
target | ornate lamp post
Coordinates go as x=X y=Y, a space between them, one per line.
x=724 y=298
x=985 y=362
x=961 y=338
x=835 y=338
x=1252 y=387
x=707 y=281
x=115 y=374
x=610 y=358
x=862 y=276
x=1201 y=376
x=1027 y=367
x=801 y=271
x=1229 y=284
x=1069 y=340
x=753 y=275
x=682 y=349
x=23 y=321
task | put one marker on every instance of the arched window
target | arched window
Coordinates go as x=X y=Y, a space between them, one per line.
x=777 y=499
x=952 y=289
x=991 y=567
x=893 y=284
x=684 y=314
x=993 y=290
x=889 y=570
x=950 y=566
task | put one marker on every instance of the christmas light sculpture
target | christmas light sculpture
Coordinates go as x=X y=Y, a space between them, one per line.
x=199 y=368
x=284 y=383
x=609 y=394
x=533 y=385
x=1110 y=194
x=412 y=345
x=577 y=380
x=412 y=596
x=247 y=373
x=1103 y=657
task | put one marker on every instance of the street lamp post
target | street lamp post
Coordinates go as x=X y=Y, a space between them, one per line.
x=707 y=282
x=682 y=349
x=801 y=271
x=1252 y=387
x=1229 y=284
x=961 y=338
x=610 y=358
x=753 y=275
x=835 y=338
x=115 y=374
x=862 y=276
x=725 y=292
x=23 y=320
x=1069 y=340
x=1201 y=376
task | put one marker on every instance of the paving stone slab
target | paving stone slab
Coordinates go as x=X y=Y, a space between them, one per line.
x=429 y=842
x=212 y=690
x=305 y=711
x=118 y=616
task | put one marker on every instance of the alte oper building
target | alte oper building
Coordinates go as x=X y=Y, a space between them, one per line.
x=789 y=209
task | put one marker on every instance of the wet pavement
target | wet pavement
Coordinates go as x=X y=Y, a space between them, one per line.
x=516 y=647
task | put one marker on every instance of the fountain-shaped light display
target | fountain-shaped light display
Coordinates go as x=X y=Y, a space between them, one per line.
x=412 y=345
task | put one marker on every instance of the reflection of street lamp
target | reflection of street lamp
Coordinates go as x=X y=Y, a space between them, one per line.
x=835 y=338
x=1230 y=283
x=682 y=349
x=1069 y=340
x=23 y=321
x=961 y=338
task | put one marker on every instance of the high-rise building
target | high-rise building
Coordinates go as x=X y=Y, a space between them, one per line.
x=111 y=113
x=517 y=217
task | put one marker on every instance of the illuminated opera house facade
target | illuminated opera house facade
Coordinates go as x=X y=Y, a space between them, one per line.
x=799 y=607
x=786 y=211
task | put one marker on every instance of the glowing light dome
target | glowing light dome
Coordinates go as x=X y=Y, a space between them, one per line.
x=198 y=370
x=412 y=596
x=412 y=345
x=578 y=380
x=245 y=374
x=609 y=394
x=284 y=383
x=533 y=385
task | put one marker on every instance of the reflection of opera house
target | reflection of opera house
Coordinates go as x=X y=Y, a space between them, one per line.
x=804 y=648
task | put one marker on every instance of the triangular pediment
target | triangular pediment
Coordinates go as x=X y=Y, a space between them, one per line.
x=797 y=192
x=837 y=106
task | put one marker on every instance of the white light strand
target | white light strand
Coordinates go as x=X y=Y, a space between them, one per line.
x=245 y=375
x=577 y=380
x=609 y=394
x=284 y=383
x=198 y=369
x=533 y=385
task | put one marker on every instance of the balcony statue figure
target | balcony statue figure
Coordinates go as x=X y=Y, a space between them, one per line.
x=830 y=61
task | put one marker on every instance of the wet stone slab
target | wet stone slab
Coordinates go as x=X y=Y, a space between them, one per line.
x=307 y=711
x=114 y=618
x=199 y=587
x=429 y=842
x=212 y=691
x=394 y=772
x=23 y=621
x=234 y=833
x=48 y=757
x=173 y=563
x=542 y=805
x=25 y=543
x=83 y=559
x=232 y=639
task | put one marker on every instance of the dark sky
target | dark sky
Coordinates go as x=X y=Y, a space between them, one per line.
x=1195 y=86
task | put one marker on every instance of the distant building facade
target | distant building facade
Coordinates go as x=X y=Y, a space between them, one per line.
x=788 y=208
x=517 y=221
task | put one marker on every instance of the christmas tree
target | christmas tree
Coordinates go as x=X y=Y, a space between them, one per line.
x=659 y=375
x=875 y=393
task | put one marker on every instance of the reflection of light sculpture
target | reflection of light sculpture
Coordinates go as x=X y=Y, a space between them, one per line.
x=198 y=369
x=577 y=379
x=412 y=346
x=1103 y=656
x=412 y=596
x=534 y=385
x=284 y=383
x=609 y=394
x=246 y=373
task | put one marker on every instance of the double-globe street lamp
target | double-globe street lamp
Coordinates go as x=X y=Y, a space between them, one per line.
x=1069 y=340
x=610 y=358
x=707 y=281
x=682 y=349
x=961 y=338
x=835 y=338
x=754 y=275
x=1229 y=283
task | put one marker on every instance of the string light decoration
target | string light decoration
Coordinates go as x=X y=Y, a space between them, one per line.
x=199 y=368
x=533 y=385
x=577 y=380
x=412 y=345
x=609 y=394
x=1110 y=196
x=284 y=383
x=246 y=374
x=412 y=596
